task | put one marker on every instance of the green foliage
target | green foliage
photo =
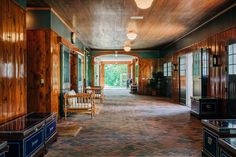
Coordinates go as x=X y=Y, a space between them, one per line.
x=113 y=74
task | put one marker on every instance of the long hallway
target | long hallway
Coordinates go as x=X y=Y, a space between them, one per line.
x=130 y=125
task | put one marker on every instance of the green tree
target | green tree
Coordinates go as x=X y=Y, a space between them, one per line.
x=113 y=73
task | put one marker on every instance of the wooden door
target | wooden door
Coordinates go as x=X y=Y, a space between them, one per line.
x=182 y=79
x=168 y=79
x=200 y=72
x=232 y=80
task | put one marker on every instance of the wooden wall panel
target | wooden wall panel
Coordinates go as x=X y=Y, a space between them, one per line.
x=217 y=75
x=43 y=65
x=102 y=75
x=55 y=72
x=12 y=61
x=74 y=72
x=146 y=68
x=38 y=47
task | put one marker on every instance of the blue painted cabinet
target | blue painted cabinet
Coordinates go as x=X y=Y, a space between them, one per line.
x=3 y=148
x=29 y=135
x=214 y=130
x=227 y=147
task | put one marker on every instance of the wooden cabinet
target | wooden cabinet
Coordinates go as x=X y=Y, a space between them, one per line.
x=29 y=135
x=3 y=148
x=227 y=147
x=205 y=107
x=213 y=131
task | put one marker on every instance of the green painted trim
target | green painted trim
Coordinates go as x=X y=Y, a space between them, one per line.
x=58 y=26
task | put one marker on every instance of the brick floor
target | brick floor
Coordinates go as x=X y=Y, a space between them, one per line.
x=131 y=125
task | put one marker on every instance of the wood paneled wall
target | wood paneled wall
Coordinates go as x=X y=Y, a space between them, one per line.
x=74 y=72
x=146 y=68
x=12 y=61
x=217 y=75
x=43 y=71
x=55 y=72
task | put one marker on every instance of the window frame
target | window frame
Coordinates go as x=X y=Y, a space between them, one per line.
x=167 y=69
x=231 y=63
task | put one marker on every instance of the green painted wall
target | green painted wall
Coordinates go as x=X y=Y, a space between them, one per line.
x=89 y=70
x=144 y=54
x=22 y=3
x=38 y=19
x=58 y=26
x=43 y=19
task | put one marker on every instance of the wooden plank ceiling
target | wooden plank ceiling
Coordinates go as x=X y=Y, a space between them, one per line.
x=103 y=24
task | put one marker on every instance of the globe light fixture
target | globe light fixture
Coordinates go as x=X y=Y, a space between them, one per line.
x=127 y=48
x=131 y=35
x=143 y=4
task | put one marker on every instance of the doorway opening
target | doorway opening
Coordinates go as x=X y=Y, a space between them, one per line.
x=186 y=79
x=115 y=71
x=116 y=75
x=189 y=78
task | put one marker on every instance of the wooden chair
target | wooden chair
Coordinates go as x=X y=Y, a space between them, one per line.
x=80 y=103
x=98 y=92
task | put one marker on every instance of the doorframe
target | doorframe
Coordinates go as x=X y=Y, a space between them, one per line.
x=180 y=80
x=230 y=42
x=189 y=56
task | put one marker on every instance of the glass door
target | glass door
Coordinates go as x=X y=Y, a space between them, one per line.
x=200 y=72
x=197 y=83
x=182 y=79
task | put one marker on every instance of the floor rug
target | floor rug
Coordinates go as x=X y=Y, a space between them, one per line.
x=67 y=128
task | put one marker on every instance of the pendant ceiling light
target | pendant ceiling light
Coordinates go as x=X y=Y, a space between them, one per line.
x=131 y=35
x=144 y=4
x=127 y=48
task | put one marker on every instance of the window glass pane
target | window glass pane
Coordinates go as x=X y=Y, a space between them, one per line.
x=204 y=72
x=231 y=59
x=230 y=49
x=165 y=65
x=234 y=60
x=165 y=69
x=165 y=73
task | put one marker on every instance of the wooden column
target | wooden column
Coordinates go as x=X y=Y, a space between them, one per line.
x=74 y=72
x=129 y=70
x=102 y=76
x=133 y=71
x=92 y=71
x=12 y=61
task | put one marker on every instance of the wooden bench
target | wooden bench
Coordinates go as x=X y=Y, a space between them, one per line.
x=98 y=92
x=80 y=103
